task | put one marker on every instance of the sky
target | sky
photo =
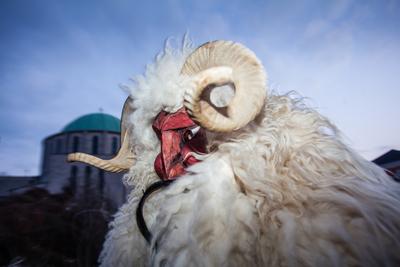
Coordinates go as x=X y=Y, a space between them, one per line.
x=63 y=59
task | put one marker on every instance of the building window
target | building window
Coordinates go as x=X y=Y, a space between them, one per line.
x=101 y=182
x=75 y=144
x=52 y=146
x=95 y=142
x=88 y=172
x=72 y=178
x=114 y=146
x=58 y=146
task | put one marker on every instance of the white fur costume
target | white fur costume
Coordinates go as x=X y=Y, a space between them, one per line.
x=282 y=191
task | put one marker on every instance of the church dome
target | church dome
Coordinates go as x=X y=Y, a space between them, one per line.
x=94 y=122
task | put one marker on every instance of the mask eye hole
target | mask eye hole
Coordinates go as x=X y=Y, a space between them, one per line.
x=189 y=134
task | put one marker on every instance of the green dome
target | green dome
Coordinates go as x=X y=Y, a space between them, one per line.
x=94 y=122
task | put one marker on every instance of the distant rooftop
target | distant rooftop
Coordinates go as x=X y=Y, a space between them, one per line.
x=94 y=122
x=390 y=156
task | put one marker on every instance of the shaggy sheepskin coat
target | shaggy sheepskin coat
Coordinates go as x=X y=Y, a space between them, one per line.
x=283 y=191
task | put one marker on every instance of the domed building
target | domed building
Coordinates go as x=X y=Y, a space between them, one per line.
x=67 y=200
x=97 y=134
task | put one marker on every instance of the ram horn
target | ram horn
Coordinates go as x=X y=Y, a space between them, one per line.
x=227 y=66
x=124 y=158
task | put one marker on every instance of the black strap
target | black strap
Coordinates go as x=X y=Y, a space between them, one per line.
x=141 y=223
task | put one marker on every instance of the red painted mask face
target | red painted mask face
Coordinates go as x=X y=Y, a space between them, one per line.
x=179 y=136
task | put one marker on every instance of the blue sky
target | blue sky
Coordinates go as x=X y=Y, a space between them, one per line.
x=63 y=59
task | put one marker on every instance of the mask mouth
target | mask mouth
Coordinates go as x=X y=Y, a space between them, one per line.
x=180 y=139
x=168 y=173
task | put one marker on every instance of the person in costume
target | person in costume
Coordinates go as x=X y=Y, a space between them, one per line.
x=226 y=173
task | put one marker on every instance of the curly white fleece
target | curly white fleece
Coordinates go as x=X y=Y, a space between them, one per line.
x=283 y=191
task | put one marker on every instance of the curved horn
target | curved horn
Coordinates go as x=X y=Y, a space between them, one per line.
x=124 y=158
x=224 y=64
